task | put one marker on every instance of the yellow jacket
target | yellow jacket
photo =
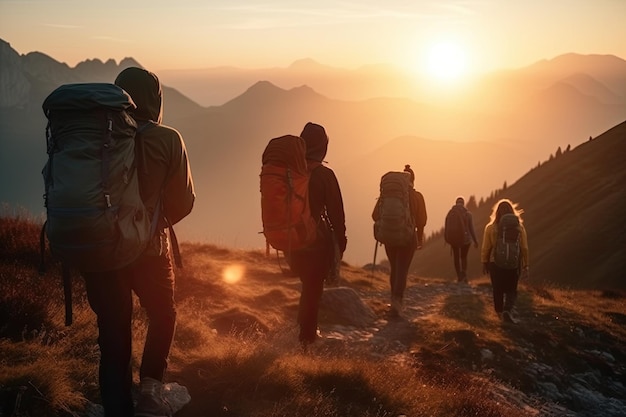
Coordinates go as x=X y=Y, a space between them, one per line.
x=489 y=241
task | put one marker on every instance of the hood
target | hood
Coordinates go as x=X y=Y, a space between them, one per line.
x=316 y=141
x=145 y=89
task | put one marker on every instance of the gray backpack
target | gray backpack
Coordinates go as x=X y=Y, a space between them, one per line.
x=96 y=220
x=507 y=248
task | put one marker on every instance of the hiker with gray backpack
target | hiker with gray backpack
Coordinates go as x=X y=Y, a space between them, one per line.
x=399 y=220
x=504 y=255
x=459 y=233
x=116 y=179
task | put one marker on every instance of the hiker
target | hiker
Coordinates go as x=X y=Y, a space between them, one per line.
x=459 y=233
x=401 y=255
x=166 y=185
x=313 y=263
x=504 y=255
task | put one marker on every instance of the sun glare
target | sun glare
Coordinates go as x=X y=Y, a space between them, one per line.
x=233 y=273
x=446 y=62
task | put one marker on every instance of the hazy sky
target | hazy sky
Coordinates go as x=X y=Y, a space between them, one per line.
x=479 y=34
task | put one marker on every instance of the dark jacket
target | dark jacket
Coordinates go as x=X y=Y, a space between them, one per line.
x=470 y=236
x=324 y=192
x=165 y=171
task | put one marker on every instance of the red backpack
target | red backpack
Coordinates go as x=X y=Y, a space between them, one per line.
x=287 y=221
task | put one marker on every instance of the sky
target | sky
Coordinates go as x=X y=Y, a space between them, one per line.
x=449 y=37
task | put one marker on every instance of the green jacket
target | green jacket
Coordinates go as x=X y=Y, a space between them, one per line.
x=165 y=173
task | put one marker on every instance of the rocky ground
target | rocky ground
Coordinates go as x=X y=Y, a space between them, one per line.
x=550 y=363
x=554 y=362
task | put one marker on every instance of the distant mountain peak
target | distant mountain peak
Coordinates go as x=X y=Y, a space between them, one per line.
x=262 y=87
x=305 y=63
x=267 y=89
x=129 y=62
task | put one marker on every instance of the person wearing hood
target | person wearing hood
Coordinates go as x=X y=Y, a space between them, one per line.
x=313 y=264
x=166 y=188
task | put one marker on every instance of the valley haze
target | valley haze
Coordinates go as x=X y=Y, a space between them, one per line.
x=472 y=143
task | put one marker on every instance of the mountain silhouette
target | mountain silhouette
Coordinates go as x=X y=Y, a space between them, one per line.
x=573 y=207
x=467 y=150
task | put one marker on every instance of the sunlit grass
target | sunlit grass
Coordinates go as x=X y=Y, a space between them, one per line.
x=236 y=346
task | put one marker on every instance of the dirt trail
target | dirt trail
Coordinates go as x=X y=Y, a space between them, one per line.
x=555 y=362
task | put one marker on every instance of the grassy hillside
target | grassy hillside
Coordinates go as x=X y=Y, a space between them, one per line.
x=236 y=351
x=574 y=205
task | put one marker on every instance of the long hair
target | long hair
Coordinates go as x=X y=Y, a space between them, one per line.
x=504 y=206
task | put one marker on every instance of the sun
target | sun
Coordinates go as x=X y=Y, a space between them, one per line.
x=446 y=61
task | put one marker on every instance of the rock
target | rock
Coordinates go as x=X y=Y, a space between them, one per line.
x=342 y=305
x=237 y=321
x=175 y=394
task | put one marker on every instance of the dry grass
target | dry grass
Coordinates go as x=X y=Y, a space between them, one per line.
x=236 y=351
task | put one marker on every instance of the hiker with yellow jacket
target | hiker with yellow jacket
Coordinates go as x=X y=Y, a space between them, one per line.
x=504 y=256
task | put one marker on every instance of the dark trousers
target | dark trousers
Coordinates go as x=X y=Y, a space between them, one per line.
x=460 y=260
x=400 y=258
x=312 y=266
x=110 y=297
x=504 y=284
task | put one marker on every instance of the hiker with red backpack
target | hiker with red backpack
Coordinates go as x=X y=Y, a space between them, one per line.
x=399 y=220
x=303 y=216
x=313 y=262
x=504 y=255
x=459 y=233
x=166 y=188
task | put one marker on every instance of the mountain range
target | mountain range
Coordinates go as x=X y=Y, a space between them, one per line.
x=509 y=123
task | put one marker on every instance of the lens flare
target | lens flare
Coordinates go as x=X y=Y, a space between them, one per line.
x=233 y=273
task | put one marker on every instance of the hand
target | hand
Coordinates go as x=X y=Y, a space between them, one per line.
x=485 y=268
x=419 y=245
x=524 y=274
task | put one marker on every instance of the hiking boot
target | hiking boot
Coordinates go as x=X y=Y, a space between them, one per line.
x=396 y=307
x=151 y=402
x=508 y=317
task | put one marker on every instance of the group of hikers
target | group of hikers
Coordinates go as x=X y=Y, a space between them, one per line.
x=165 y=186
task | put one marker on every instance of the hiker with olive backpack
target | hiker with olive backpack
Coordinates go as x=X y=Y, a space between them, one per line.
x=399 y=220
x=116 y=180
x=504 y=255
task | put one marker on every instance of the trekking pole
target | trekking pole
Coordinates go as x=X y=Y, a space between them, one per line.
x=67 y=292
x=374 y=261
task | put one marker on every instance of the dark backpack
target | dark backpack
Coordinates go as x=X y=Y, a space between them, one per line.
x=456 y=232
x=395 y=225
x=507 y=248
x=285 y=212
x=96 y=220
